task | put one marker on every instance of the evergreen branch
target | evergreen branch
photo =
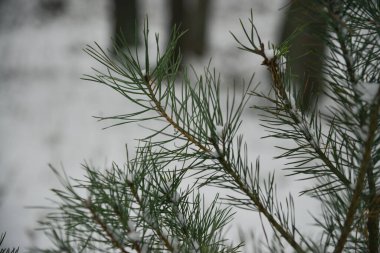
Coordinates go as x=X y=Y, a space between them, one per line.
x=147 y=195
x=341 y=29
x=284 y=103
x=158 y=232
x=228 y=168
x=299 y=121
x=117 y=211
x=115 y=242
x=170 y=120
x=364 y=166
x=185 y=220
x=226 y=165
x=373 y=211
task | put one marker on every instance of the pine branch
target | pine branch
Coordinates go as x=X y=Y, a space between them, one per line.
x=284 y=103
x=152 y=89
x=298 y=120
x=104 y=227
x=150 y=83
x=260 y=207
x=341 y=30
x=366 y=163
x=145 y=205
x=228 y=168
x=373 y=211
x=145 y=216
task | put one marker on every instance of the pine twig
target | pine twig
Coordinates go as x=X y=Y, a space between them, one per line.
x=373 y=212
x=228 y=168
x=282 y=95
x=366 y=160
x=115 y=242
x=159 y=233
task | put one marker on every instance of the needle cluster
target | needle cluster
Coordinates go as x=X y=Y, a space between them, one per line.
x=153 y=203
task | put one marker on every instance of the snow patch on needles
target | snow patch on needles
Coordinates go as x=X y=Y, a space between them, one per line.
x=305 y=129
x=116 y=233
x=131 y=225
x=165 y=232
x=309 y=134
x=130 y=177
x=214 y=154
x=181 y=219
x=363 y=132
x=145 y=248
x=166 y=186
x=293 y=103
x=282 y=63
x=149 y=219
x=176 y=197
x=377 y=187
x=175 y=244
x=196 y=248
x=219 y=130
x=134 y=236
x=143 y=72
x=367 y=91
x=269 y=54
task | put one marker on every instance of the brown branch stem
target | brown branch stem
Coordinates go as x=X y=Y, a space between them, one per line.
x=115 y=242
x=282 y=95
x=366 y=162
x=228 y=168
x=164 y=114
x=159 y=233
x=260 y=207
x=373 y=212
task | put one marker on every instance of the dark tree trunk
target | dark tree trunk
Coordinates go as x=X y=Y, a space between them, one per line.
x=199 y=27
x=126 y=21
x=178 y=20
x=192 y=17
x=307 y=49
x=51 y=8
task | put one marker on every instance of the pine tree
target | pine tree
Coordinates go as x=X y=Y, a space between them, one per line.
x=153 y=203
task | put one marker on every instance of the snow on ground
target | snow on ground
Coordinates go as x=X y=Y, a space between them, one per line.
x=45 y=109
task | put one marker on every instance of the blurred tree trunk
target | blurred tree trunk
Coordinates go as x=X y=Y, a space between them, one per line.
x=126 y=21
x=190 y=16
x=199 y=27
x=178 y=20
x=48 y=9
x=307 y=49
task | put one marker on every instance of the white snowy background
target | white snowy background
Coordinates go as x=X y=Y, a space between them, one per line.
x=46 y=110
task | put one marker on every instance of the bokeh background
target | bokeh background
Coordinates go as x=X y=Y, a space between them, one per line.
x=46 y=109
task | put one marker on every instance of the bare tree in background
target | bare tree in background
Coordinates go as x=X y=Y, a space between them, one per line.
x=52 y=7
x=126 y=20
x=191 y=16
x=199 y=26
x=305 y=53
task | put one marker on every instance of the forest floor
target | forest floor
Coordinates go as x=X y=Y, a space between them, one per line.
x=46 y=109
